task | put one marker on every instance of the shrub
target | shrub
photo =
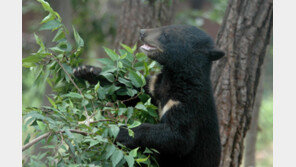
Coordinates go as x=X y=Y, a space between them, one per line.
x=80 y=126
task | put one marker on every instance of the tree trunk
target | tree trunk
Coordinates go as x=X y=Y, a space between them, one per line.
x=243 y=35
x=251 y=137
x=137 y=14
x=64 y=8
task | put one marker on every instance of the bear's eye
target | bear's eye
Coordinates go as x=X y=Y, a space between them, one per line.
x=165 y=35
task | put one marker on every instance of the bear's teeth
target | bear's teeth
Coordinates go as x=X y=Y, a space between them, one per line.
x=147 y=47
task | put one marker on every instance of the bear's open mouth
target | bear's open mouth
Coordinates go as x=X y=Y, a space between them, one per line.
x=148 y=48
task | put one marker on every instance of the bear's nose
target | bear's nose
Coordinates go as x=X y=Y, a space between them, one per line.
x=142 y=34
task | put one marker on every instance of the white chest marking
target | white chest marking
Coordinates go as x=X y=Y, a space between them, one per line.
x=167 y=107
x=152 y=84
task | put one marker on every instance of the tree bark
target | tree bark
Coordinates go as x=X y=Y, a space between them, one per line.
x=251 y=137
x=137 y=14
x=243 y=35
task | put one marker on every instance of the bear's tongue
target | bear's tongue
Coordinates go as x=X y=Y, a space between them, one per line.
x=147 y=47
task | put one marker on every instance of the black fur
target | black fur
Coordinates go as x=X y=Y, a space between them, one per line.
x=188 y=133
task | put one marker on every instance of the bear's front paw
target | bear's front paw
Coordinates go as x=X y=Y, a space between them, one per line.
x=124 y=138
x=88 y=73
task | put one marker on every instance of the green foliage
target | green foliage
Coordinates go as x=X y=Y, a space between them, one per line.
x=265 y=134
x=78 y=108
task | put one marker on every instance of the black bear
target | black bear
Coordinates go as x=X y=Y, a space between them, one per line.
x=188 y=132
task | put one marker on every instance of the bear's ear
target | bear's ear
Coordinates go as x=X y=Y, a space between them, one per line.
x=215 y=54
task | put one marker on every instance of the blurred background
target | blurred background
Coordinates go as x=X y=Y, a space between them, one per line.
x=100 y=23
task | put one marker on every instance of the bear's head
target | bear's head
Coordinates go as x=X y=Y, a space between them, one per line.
x=178 y=44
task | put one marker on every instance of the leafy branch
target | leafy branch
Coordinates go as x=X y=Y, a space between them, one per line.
x=94 y=111
x=36 y=140
x=85 y=110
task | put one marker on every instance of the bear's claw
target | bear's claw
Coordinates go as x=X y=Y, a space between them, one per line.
x=88 y=73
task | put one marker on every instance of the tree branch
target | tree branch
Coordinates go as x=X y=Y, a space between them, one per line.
x=36 y=140
x=85 y=110
x=132 y=98
x=103 y=120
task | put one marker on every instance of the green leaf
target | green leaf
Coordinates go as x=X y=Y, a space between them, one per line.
x=67 y=68
x=131 y=133
x=114 y=130
x=89 y=96
x=36 y=115
x=59 y=35
x=116 y=157
x=41 y=125
x=141 y=56
x=135 y=78
x=146 y=69
x=98 y=139
x=134 y=48
x=97 y=86
x=50 y=25
x=52 y=102
x=121 y=111
x=108 y=76
x=152 y=64
x=125 y=82
x=39 y=42
x=111 y=89
x=130 y=160
x=140 y=160
x=112 y=54
x=130 y=111
x=123 y=56
x=147 y=151
x=62 y=47
x=49 y=17
x=69 y=134
x=120 y=65
x=131 y=92
x=57 y=49
x=45 y=5
x=127 y=48
x=109 y=150
x=135 y=124
x=106 y=61
x=34 y=58
x=141 y=106
x=134 y=152
x=102 y=92
x=79 y=41
x=27 y=139
x=84 y=102
x=73 y=95
x=109 y=69
x=129 y=56
x=154 y=150
x=72 y=149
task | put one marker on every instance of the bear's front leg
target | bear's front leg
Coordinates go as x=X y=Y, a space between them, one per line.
x=89 y=73
x=161 y=137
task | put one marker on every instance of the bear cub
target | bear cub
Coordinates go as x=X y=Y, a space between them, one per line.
x=188 y=132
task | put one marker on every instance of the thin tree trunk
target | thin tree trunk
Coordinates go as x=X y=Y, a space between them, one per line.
x=243 y=35
x=64 y=8
x=251 y=137
x=137 y=14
